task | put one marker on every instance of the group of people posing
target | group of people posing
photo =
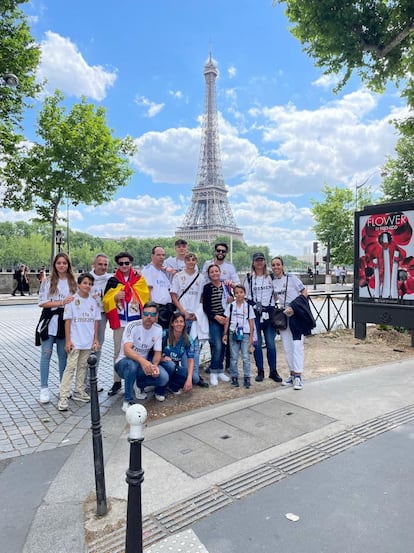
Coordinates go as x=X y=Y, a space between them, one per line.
x=162 y=315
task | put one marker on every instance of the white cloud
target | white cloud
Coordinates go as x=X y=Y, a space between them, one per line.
x=176 y=94
x=327 y=81
x=139 y=217
x=65 y=68
x=152 y=108
x=232 y=71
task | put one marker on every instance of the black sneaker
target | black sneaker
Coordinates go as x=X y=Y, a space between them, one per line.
x=116 y=386
x=274 y=375
x=246 y=381
x=235 y=381
x=202 y=383
x=260 y=376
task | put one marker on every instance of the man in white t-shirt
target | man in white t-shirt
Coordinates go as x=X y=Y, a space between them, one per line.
x=101 y=276
x=186 y=290
x=228 y=273
x=140 y=355
x=159 y=285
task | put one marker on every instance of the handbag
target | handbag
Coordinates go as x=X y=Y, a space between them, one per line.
x=278 y=319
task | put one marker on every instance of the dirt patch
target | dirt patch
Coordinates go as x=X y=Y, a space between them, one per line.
x=325 y=354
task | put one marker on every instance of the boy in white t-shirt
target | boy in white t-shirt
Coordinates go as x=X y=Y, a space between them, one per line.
x=81 y=318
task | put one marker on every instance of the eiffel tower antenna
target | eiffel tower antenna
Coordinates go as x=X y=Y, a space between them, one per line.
x=209 y=214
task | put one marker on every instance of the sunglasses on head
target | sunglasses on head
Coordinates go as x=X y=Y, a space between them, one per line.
x=120 y=263
x=221 y=251
x=149 y=314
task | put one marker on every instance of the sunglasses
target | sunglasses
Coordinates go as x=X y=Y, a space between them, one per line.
x=102 y=264
x=149 y=314
x=221 y=251
x=126 y=263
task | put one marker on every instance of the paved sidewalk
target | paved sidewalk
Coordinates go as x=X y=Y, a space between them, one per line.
x=215 y=476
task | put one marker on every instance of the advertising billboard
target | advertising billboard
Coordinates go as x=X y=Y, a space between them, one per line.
x=384 y=265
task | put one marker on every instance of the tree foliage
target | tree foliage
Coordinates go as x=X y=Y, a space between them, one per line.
x=374 y=38
x=29 y=243
x=76 y=159
x=20 y=55
x=398 y=181
x=335 y=223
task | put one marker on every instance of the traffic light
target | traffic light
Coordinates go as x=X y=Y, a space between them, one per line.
x=315 y=247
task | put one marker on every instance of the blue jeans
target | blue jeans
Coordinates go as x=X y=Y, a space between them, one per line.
x=216 y=346
x=269 y=336
x=45 y=355
x=235 y=348
x=177 y=374
x=196 y=374
x=131 y=371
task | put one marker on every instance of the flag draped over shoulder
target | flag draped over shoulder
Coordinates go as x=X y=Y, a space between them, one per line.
x=128 y=309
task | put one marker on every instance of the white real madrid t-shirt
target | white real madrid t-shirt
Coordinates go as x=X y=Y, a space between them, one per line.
x=83 y=312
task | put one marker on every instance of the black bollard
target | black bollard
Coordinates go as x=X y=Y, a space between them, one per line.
x=101 y=505
x=136 y=416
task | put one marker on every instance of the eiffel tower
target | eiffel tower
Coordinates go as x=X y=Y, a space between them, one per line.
x=209 y=214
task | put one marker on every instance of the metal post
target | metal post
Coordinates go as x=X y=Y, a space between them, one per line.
x=136 y=415
x=101 y=505
x=314 y=271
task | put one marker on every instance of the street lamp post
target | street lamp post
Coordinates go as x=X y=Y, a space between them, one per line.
x=361 y=185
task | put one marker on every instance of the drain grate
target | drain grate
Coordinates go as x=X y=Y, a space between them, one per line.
x=299 y=460
x=115 y=541
x=251 y=481
x=337 y=444
x=182 y=514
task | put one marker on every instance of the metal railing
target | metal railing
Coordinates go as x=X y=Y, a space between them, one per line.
x=331 y=309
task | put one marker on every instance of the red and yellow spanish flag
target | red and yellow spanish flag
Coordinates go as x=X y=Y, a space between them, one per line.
x=136 y=295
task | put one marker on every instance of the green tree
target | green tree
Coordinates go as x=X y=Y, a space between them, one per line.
x=20 y=55
x=77 y=158
x=375 y=38
x=335 y=224
x=398 y=181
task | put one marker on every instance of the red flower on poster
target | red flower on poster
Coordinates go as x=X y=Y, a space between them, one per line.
x=383 y=267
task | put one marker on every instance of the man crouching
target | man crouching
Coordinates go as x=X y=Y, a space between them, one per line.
x=138 y=360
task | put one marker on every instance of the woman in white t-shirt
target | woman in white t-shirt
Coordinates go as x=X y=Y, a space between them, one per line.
x=55 y=292
x=288 y=287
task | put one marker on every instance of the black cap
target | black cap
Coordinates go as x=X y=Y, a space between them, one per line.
x=258 y=255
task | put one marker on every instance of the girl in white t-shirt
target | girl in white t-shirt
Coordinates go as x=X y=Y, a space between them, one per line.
x=55 y=292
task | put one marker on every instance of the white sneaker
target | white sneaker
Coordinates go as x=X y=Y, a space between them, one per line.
x=44 y=395
x=223 y=377
x=159 y=397
x=297 y=383
x=139 y=394
x=213 y=379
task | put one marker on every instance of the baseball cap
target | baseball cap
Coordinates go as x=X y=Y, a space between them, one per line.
x=258 y=255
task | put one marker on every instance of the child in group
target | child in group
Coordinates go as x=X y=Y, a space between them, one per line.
x=240 y=318
x=81 y=318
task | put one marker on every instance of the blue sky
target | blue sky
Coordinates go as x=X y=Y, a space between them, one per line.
x=283 y=133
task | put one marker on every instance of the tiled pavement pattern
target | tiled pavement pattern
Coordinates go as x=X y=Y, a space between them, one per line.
x=26 y=426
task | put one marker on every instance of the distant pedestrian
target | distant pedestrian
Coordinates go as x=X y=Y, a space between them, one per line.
x=240 y=319
x=41 y=274
x=18 y=277
x=343 y=275
x=55 y=292
x=337 y=272
x=26 y=281
x=81 y=318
